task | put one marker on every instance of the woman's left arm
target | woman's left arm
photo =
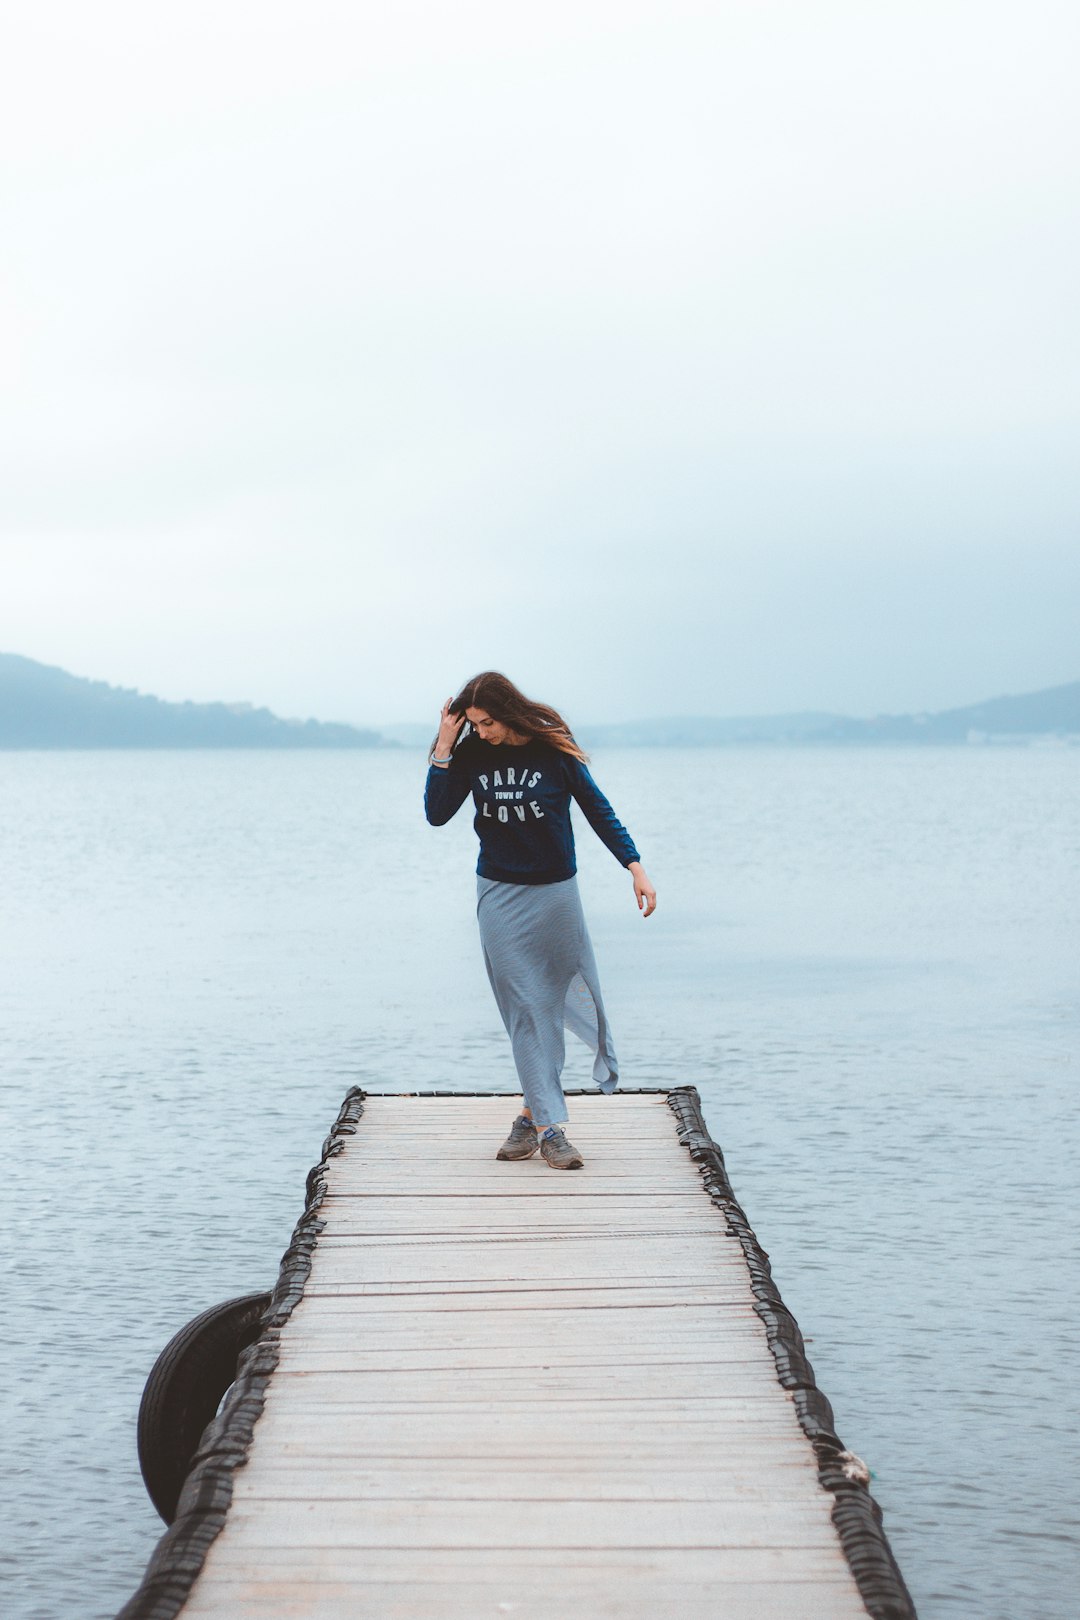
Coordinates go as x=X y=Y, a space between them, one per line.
x=610 y=830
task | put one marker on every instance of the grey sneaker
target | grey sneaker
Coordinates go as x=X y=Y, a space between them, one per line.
x=559 y=1153
x=522 y=1142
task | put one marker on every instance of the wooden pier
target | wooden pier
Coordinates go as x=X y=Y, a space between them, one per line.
x=494 y=1389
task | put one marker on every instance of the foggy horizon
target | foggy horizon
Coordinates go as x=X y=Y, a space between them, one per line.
x=675 y=361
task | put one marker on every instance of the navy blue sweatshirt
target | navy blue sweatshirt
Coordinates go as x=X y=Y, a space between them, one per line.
x=522 y=797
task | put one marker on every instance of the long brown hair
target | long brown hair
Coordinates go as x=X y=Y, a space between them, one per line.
x=510 y=707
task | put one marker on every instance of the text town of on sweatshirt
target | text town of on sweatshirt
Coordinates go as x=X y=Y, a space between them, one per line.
x=510 y=791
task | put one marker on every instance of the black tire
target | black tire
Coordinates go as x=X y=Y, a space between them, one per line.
x=184 y=1390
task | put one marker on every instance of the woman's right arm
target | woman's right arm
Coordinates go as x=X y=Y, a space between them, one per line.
x=448 y=783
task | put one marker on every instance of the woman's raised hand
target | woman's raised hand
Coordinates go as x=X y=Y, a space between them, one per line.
x=449 y=727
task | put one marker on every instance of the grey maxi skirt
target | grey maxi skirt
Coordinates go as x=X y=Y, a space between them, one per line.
x=540 y=961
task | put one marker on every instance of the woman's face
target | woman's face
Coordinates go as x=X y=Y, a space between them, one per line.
x=492 y=731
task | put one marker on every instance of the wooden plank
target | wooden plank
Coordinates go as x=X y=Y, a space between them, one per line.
x=469 y=1210
x=505 y=1384
x=458 y=1430
x=475 y=1482
x=489 y=1269
x=581 y=1294
x=609 y=1598
x=467 y=1235
x=571 y=1525
x=709 y=1421
x=618 y=1311
x=388 y=1185
x=422 y=1472
x=549 y=1249
x=492 y=1262
x=629 y=1258
x=608 y=1123
x=372 y=1328
x=381 y=1337
x=749 y=1565
x=570 y=1227
x=393 y=1182
x=746 y=1458
x=452 y=1313
x=387 y=1331
x=462 y=1149
x=744 y=1453
x=514 y=1360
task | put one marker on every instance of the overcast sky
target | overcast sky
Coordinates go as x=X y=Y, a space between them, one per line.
x=675 y=358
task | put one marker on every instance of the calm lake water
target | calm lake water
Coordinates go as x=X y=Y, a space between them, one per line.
x=866 y=961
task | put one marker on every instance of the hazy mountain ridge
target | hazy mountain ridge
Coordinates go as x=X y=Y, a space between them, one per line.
x=42 y=706
x=1053 y=713
x=1050 y=714
x=45 y=707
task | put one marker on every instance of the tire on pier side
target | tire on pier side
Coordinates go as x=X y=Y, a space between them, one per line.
x=184 y=1391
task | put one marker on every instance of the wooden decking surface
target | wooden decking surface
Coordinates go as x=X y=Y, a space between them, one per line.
x=514 y=1391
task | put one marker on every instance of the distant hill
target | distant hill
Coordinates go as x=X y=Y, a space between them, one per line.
x=1047 y=716
x=1053 y=714
x=44 y=707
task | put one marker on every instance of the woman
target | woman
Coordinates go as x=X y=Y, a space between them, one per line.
x=522 y=766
